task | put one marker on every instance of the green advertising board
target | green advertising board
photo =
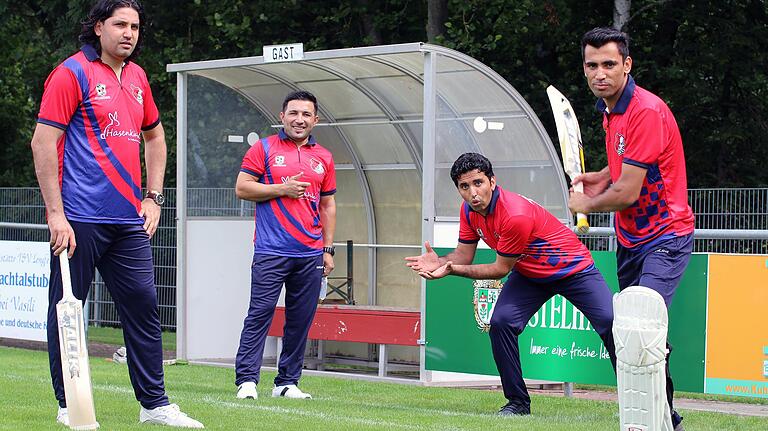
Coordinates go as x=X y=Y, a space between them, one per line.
x=559 y=344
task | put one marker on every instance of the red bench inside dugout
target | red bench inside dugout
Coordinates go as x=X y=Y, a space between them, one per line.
x=360 y=324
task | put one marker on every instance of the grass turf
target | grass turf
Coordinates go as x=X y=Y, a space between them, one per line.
x=107 y=335
x=208 y=394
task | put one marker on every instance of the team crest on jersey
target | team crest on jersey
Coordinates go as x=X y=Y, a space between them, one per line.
x=620 y=144
x=484 y=300
x=279 y=161
x=316 y=166
x=480 y=233
x=138 y=93
x=101 y=92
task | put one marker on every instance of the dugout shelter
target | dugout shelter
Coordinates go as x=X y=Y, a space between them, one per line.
x=395 y=118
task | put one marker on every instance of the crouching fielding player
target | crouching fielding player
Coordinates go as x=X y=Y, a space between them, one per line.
x=541 y=255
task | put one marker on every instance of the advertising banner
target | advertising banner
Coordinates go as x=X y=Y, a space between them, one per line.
x=24 y=272
x=737 y=327
x=558 y=343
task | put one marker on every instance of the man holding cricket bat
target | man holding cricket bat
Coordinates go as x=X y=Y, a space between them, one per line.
x=645 y=180
x=96 y=108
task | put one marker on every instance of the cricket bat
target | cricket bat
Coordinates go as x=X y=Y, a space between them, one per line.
x=76 y=371
x=569 y=135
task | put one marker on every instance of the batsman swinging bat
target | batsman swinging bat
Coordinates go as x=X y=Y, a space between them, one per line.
x=569 y=135
x=76 y=371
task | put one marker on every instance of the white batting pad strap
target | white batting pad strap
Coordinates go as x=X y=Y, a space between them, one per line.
x=640 y=334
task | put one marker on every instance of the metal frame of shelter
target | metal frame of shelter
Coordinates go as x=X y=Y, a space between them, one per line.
x=522 y=153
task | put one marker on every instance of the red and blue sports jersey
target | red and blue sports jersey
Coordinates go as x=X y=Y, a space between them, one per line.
x=287 y=226
x=516 y=226
x=102 y=118
x=641 y=131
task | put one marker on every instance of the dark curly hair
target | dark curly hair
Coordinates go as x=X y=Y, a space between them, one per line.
x=104 y=9
x=468 y=162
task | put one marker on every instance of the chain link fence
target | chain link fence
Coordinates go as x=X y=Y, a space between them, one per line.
x=25 y=206
x=726 y=209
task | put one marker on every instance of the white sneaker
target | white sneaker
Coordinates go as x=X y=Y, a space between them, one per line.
x=247 y=390
x=290 y=391
x=62 y=416
x=168 y=415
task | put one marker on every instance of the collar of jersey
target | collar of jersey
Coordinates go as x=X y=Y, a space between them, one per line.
x=92 y=55
x=285 y=137
x=623 y=103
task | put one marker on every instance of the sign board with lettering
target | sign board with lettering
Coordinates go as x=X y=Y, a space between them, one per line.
x=737 y=326
x=285 y=52
x=558 y=343
x=24 y=277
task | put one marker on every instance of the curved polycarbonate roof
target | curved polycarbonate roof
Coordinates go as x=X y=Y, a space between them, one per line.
x=395 y=118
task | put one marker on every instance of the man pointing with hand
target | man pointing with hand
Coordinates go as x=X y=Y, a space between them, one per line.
x=292 y=179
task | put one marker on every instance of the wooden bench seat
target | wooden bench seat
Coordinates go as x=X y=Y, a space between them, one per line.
x=360 y=324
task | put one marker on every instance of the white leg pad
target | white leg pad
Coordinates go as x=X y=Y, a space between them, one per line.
x=640 y=334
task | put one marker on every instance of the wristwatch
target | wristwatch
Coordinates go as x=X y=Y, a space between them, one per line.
x=156 y=196
x=330 y=250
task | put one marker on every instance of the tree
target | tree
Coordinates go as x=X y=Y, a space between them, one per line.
x=621 y=13
x=437 y=15
x=700 y=57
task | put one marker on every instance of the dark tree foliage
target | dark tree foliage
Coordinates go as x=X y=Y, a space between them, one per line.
x=704 y=58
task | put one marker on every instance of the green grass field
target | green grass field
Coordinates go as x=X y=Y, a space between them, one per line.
x=208 y=394
x=114 y=336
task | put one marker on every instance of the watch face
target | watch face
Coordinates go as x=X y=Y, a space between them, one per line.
x=157 y=197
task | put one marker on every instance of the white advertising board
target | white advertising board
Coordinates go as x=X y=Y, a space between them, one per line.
x=24 y=278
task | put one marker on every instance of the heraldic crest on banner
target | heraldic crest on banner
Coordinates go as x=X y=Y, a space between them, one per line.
x=486 y=294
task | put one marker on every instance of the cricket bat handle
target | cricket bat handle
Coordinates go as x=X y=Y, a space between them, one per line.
x=66 y=278
x=582 y=224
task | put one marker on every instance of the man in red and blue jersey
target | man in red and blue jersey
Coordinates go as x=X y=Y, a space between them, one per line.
x=292 y=179
x=541 y=255
x=645 y=180
x=96 y=108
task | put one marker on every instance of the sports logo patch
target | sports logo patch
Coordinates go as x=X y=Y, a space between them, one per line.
x=620 y=144
x=316 y=166
x=279 y=161
x=484 y=299
x=101 y=89
x=138 y=93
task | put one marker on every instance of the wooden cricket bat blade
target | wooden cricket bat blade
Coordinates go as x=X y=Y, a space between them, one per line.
x=569 y=135
x=76 y=371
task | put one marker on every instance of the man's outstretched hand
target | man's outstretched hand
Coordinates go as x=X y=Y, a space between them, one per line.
x=440 y=272
x=429 y=261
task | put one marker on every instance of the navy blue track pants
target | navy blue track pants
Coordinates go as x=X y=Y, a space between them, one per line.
x=521 y=298
x=123 y=257
x=301 y=276
x=658 y=266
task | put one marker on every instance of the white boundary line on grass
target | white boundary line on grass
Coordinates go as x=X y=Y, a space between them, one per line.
x=312 y=414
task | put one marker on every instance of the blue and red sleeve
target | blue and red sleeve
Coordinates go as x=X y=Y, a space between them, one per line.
x=61 y=97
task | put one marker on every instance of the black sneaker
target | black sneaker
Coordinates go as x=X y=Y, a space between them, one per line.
x=515 y=408
x=677 y=421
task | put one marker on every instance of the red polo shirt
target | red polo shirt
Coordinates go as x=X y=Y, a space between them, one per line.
x=518 y=226
x=641 y=131
x=102 y=118
x=286 y=226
